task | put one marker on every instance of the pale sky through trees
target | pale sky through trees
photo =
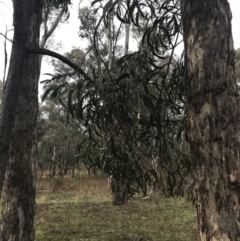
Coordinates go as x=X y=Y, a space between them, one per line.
x=67 y=33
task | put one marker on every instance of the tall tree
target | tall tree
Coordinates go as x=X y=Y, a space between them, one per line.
x=48 y=28
x=132 y=118
x=16 y=129
x=211 y=103
x=18 y=119
x=212 y=117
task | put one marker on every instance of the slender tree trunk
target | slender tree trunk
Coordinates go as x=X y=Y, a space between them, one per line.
x=127 y=37
x=212 y=117
x=17 y=124
x=155 y=187
x=110 y=41
x=53 y=165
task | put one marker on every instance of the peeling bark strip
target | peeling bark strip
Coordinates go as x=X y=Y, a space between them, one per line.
x=17 y=124
x=213 y=117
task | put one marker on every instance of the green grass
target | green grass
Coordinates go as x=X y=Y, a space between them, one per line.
x=80 y=209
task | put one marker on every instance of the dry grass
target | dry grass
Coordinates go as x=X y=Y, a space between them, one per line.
x=81 y=209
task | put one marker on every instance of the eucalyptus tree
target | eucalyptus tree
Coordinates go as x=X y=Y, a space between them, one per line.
x=107 y=49
x=18 y=118
x=212 y=106
x=16 y=127
x=133 y=115
x=99 y=60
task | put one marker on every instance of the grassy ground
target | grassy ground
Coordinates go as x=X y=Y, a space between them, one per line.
x=80 y=209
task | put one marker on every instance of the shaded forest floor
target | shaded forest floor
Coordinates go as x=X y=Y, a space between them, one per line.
x=80 y=210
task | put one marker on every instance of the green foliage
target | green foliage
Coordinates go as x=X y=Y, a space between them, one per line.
x=163 y=21
x=133 y=114
x=88 y=22
x=130 y=122
x=58 y=3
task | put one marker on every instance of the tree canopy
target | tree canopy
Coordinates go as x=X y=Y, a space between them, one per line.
x=133 y=112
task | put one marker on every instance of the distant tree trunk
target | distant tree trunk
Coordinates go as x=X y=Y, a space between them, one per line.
x=212 y=106
x=66 y=161
x=110 y=41
x=41 y=172
x=73 y=171
x=155 y=187
x=17 y=124
x=127 y=37
x=53 y=165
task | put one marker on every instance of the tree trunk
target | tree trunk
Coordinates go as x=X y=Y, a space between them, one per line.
x=53 y=164
x=110 y=41
x=118 y=192
x=17 y=124
x=212 y=117
x=127 y=37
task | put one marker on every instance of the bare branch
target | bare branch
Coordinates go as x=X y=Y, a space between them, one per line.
x=10 y=40
x=5 y=53
x=6 y=57
x=48 y=33
x=63 y=59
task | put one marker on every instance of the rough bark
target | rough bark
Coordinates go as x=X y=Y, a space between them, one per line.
x=34 y=154
x=212 y=117
x=17 y=124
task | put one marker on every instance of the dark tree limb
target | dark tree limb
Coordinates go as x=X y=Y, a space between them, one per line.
x=63 y=59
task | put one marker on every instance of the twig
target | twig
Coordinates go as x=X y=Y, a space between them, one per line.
x=10 y=40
